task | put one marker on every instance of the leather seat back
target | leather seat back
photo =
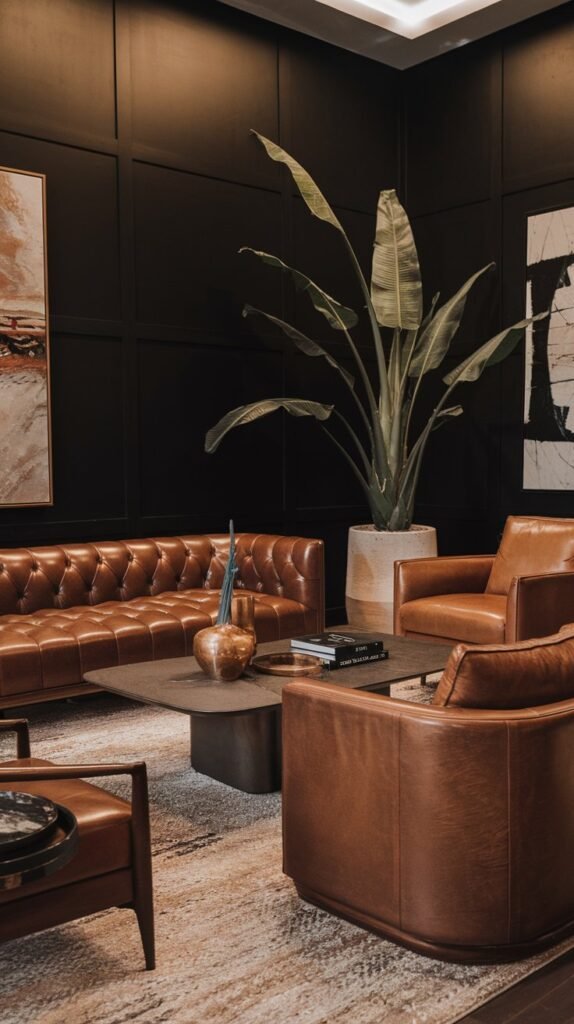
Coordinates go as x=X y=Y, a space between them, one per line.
x=532 y=545
x=65 y=576
x=519 y=675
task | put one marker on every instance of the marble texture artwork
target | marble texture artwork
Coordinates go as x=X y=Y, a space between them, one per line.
x=549 y=380
x=25 y=457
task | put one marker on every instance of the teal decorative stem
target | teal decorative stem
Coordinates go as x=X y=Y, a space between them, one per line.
x=224 y=614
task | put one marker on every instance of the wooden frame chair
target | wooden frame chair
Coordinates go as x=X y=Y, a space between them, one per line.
x=112 y=867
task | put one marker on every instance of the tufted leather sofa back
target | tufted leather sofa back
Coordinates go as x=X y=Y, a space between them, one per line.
x=64 y=576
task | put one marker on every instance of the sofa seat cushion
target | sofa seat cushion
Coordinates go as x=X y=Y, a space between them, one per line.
x=505 y=676
x=56 y=647
x=103 y=825
x=479 y=618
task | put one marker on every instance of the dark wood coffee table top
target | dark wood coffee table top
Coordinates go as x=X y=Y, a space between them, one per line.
x=179 y=684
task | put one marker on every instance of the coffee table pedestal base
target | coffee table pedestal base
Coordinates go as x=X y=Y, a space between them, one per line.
x=244 y=751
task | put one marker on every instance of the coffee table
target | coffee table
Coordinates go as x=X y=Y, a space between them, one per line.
x=236 y=727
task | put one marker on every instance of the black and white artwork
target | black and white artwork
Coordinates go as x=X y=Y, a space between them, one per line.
x=549 y=381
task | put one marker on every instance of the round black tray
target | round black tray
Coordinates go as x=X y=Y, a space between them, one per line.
x=42 y=858
x=25 y=819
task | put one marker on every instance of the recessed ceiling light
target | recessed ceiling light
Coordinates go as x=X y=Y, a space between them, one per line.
x=409 y=18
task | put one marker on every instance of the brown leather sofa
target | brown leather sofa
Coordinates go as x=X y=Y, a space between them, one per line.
x=112 y=866
x=67 y=610
x=448 y=829
x=525 y=590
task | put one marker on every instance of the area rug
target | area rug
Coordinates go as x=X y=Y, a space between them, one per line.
x=235 y=943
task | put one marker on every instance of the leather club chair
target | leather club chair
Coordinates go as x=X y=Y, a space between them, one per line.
x=525 y=590
x=112 y=867
x=448 y=829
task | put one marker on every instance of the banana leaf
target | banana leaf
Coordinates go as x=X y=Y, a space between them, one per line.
x=434 y=341
x=338 y=316
x=308 y=190
x=302 y=342
x=493 y=351
x=396 y=288
x=245 y=414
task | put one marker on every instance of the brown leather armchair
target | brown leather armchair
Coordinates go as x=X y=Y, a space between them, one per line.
x=448 y=830
x=112 y=867
x=525 y=590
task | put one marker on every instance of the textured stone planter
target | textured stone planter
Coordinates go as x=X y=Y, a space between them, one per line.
x=370 y=571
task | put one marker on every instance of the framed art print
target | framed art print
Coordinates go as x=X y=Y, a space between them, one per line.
x=548 y=455
x=25 y=443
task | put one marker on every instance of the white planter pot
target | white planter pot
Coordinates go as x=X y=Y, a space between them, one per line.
x=370 y=571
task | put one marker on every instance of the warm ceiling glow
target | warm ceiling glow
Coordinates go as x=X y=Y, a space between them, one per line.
x=409 y=17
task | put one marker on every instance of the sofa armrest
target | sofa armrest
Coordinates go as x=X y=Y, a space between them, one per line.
x=291 y=567
x=539 y=605
x=428 y=577
x=20 y=727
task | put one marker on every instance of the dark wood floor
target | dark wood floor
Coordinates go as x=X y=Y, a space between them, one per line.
x=546 y=997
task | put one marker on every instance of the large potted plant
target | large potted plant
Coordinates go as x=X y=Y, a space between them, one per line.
x=383 y=450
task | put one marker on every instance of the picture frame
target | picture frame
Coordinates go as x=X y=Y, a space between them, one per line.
x=26 y=474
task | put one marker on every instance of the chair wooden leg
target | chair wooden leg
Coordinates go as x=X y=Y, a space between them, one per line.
x=144 y=913
x=141 y=868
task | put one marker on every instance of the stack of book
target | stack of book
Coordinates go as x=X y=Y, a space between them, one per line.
x=341 y=650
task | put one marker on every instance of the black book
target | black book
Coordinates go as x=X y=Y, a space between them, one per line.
x=336 y=644
x=348 y=661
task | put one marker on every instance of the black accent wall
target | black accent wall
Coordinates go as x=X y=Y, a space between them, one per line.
x=489 y=139
x=139 y=113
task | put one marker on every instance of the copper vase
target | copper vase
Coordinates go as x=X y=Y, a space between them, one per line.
x=223 y=652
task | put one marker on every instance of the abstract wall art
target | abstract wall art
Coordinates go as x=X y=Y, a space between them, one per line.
x=549 y=378
x=25 y=449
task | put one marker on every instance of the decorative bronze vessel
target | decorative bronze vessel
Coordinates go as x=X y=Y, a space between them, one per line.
x=223 y=652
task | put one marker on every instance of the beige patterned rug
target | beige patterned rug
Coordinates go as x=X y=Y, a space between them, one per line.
x=235 y=943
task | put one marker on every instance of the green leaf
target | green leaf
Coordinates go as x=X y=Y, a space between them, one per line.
x=435 y=339
x=396 y=288
x=248 y=413
x=338 y=316
x=493 y=351
x=308 y=190
x=302 y=342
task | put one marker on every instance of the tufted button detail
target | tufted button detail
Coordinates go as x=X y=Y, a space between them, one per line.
x=34 y=567
x=99 y=559
x=68 y=563
x=130 y=557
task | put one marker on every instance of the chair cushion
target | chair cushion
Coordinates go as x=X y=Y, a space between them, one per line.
x=505 y=676
x=531 y=546
x=103 y=825
x=475 y=618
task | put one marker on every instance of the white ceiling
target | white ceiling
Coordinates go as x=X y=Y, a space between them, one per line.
x=400 y=33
